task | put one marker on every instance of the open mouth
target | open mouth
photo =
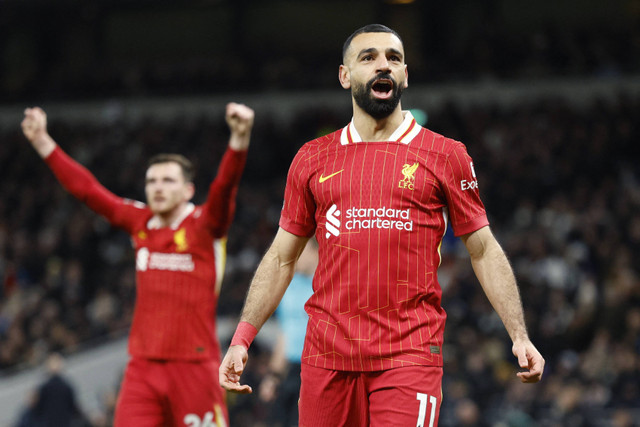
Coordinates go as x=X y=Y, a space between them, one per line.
x=382 y=88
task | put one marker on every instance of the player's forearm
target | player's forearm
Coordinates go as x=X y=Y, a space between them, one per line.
x=81 y=183
x=267 y=288
x=230 y=169
x=44 y=145
x=498 y=281
x=239 y=141
x=268 y=285
x=220 y=205
x=74 y=177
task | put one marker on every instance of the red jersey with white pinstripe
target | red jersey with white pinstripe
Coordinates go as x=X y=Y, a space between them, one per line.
x=379 y=211
x=178 y=268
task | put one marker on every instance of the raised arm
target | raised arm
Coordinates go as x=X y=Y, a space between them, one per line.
x=220 y=205
x=34 y=127
x=239 y=118
x=267 y=288
x=75 y=178
x=496 y=277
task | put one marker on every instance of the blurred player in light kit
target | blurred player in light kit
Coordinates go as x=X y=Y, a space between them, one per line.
x=172 y=376
x=378 y=195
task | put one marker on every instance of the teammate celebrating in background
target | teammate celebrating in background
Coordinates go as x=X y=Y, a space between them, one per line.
x=378 y=195
x=171 y=378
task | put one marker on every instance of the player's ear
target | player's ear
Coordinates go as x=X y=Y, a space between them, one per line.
x=406 y=76
x=190 y=190
x=344 y=75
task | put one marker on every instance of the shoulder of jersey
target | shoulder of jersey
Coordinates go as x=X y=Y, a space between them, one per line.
x=323 y=142
x=141 y=211
x=425 y=140
x=135 y=203
x=432 y=141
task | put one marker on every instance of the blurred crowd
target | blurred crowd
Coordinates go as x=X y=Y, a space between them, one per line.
x=491 y=50
x=561 y=186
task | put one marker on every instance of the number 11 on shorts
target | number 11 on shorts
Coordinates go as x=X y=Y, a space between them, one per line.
x=422 y=413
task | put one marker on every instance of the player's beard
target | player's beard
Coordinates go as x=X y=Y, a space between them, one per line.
x=377 y=108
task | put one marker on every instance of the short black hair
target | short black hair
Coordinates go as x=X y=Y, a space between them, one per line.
x=188 y=171
x=371 y=28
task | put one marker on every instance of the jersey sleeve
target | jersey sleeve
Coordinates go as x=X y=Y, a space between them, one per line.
x=298 y=211
x=220 y=206
x=81 y=183
x=466 y=210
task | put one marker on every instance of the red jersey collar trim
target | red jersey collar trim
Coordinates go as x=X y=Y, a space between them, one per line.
x=405 y=133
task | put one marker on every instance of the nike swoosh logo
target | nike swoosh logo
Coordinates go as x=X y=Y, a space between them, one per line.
x=324 y=178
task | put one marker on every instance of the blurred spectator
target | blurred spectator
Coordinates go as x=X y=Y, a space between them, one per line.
x=54 y=404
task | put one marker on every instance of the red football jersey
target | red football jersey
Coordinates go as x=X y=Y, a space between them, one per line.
x=178 y=268
x=379 y=211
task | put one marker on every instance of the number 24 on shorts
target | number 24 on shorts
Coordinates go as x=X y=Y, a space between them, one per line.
x=193 y=420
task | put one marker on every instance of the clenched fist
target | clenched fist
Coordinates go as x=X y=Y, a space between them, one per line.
x=240 y=120
x=34 y=127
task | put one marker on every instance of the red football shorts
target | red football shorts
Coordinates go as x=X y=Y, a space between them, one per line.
x=171 y=393
x=407 y=397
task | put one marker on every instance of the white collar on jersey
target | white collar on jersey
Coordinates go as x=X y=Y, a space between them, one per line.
x=407 y=130
x=155 y=223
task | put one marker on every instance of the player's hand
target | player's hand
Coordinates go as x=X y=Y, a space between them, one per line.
x=34 y=127
x=529 y=359
x=231 y=368
x=34 y=124
x=239 y=117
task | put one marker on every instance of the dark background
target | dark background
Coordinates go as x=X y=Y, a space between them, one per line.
x=77 y=49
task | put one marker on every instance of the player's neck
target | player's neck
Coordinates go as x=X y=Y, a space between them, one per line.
x=167 y=219
x=371 y=129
